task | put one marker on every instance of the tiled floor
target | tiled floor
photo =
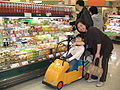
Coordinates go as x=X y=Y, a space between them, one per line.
x=113 y=80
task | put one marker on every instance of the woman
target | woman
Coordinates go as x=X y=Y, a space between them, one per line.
x=96 y=17
x=99 y=44
x=83 y=13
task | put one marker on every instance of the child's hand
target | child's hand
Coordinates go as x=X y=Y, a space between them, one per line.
x=73 y=45
x=61 y=57
x=67 y=60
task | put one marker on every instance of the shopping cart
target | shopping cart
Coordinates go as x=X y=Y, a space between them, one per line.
x=56 y=75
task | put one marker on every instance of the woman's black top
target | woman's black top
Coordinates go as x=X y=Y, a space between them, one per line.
x=85 y=16
x=94 y=36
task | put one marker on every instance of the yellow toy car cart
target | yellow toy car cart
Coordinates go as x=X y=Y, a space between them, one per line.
x=56 y=75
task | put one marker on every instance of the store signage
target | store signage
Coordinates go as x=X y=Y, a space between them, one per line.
x=96 y=2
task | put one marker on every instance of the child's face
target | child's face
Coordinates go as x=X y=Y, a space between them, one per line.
x=78 y=39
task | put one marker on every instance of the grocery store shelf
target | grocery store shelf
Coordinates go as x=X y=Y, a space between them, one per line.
x=114 y=16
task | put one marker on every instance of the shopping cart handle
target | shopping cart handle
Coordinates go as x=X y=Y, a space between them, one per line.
x=61 y=41
x=71 y=36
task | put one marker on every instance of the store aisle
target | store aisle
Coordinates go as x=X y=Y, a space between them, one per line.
x=113 y=80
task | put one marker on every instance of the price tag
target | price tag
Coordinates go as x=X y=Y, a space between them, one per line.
x=14 y=65
x=44 y=58
x=51 y=56
x=39 y=59
x=24 y=63
x=32 y=61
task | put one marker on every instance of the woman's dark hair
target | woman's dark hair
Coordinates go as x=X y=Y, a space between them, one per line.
x=93 y=10
x=80 y=2
x=81 y=21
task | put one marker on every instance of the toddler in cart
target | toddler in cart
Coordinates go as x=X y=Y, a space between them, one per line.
x=75 y=52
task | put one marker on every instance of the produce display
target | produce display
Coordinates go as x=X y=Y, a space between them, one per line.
x=110 y=34
x=113 y=26
x=24 y=41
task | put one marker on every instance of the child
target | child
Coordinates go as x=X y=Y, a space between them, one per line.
x=75 y=52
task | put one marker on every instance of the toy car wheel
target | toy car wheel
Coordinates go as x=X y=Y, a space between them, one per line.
x=87 y=75
x=59 y=85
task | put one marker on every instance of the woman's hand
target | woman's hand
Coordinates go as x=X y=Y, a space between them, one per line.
x=97 y=55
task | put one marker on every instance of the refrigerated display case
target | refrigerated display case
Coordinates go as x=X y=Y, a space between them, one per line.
x=28 y=45
x=113 y=27
x=25 y=49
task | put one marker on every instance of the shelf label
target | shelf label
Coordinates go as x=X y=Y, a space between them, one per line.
x=50 y=56
x=24 y=63
x=27 y=15
x=14 y=65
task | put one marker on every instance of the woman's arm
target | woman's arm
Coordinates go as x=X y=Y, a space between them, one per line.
x=95 y=35
x=79 y=43
x=97 y=55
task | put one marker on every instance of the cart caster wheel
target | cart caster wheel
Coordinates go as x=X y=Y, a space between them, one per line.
x=87 y=75
x=59 y=85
